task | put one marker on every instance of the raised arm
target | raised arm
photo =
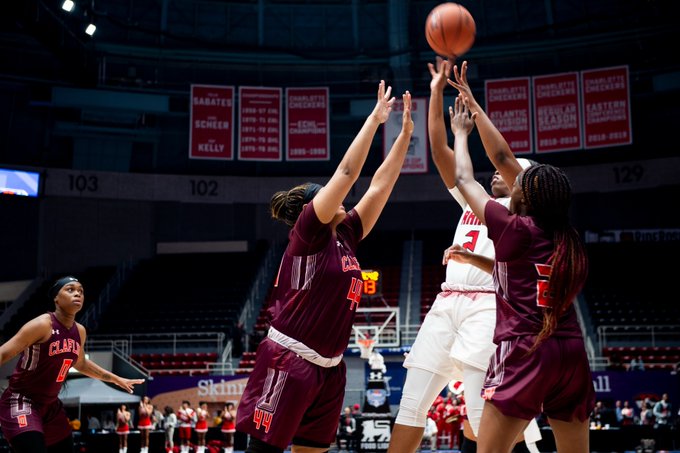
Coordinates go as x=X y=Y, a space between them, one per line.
x=372 y=203
x=495 y=145
x=91 y=369
x=331 y=196
x=461 y=125
x=442 y=154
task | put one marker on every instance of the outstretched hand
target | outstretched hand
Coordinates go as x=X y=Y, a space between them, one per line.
x=128 y=384
x=461 y=82
x=461 y=120
x=440 y=72
x=407 y=125
x=384 y=105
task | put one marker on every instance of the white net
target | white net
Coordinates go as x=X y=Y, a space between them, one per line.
x=366 y=347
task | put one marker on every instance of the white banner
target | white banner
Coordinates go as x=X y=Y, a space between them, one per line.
x=416 y=158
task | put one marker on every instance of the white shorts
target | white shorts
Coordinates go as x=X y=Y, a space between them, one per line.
x=458 y=328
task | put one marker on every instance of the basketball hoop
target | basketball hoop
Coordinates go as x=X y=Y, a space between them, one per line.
x=366 y=346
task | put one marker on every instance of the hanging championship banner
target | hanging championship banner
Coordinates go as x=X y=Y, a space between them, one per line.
x=416 y=158
x=259 y=123
x=556 y=112
x=606 y=107
x=508 y=105
x=307 y=124
x=211 y=135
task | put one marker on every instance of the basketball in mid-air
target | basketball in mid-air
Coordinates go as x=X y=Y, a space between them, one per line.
x=450 y=29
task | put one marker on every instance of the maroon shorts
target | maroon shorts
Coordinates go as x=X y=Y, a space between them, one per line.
x=18 y=414
x=555 y=379
x=288 y=397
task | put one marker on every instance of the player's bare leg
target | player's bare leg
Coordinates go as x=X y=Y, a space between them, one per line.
x=405 y=439
x=497 y=432
x=571 y=436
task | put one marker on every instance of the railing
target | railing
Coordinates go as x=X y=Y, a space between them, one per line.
x=124 y=347
x=170 y=341
x=653 y=335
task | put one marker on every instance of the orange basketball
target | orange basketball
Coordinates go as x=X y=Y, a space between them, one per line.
x=450 y=29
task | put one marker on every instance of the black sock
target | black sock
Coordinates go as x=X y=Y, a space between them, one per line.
x=520 y=447
x=468 y=446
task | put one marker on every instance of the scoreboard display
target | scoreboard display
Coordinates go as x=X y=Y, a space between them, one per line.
x=372 y=283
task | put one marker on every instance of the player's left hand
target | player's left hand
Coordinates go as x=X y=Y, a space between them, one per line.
x=128 y=384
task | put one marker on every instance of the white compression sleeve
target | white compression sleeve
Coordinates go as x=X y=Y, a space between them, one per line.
x=473 y=380
x=420 y=390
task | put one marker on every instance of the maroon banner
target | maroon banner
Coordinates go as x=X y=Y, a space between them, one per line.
x=259 y=123
x=508 y=104
x=556 y=112
x=211 y=135
x=606 y=106
x=307 y=123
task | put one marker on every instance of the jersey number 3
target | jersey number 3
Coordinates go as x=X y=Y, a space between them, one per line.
x=64 y=369
x=470 y=245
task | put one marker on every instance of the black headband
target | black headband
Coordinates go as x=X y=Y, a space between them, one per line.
x=54 y=290
x=311 y=191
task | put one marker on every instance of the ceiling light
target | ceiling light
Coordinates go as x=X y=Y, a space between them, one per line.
x=67 y=5
x=91 y=29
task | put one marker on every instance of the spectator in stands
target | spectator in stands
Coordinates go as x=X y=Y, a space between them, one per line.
x=108 y=424
x=540 y=267
x=356 y=410
x=297 y=387
x=228 y=426
x=647 y=412
x=637 y=364
x=602 y=416
x=628 y=415
x=169 y=426
x=663 y=412
x=31 y=415
x=93 y=423
x=455 y=339
x=618 y=409
x=144 y=412
x=346 y=429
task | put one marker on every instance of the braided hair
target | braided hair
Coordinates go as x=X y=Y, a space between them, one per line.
x=286 y=205
x=547 y=193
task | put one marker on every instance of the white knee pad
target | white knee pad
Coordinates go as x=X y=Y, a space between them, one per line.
x=420 y=390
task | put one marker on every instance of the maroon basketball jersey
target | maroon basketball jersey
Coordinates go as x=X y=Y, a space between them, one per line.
x=521 y=275
x=319 y=285
x=42 y=368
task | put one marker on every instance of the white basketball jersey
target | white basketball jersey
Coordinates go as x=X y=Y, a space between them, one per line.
x=471 y=234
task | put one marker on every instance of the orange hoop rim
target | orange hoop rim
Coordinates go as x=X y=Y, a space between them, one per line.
x=366 y=342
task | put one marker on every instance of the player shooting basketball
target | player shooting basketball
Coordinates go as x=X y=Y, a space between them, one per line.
x=540 y=363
